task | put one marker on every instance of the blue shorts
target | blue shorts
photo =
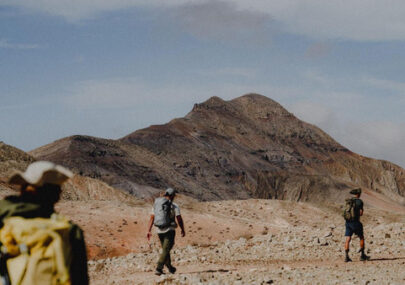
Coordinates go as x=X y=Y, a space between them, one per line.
x=354 y=228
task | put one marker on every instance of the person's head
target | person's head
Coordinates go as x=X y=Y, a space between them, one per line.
x=41 y=181
x=170 y=193
x=45 y=194
x=356 y=192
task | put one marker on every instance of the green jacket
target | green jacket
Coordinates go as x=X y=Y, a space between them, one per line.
x=24 y=207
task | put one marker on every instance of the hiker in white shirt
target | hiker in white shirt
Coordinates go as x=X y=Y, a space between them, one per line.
x=164 y=215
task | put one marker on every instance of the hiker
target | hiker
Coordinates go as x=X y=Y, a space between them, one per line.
x=163 y=216
x=53 y=248
x=353 y=212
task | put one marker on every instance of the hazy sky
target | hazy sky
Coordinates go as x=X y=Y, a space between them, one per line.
x=107 y=68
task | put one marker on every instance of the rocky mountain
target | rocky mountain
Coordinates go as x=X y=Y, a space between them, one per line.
x=249 y=147
x=77 y=189
x=12 y=158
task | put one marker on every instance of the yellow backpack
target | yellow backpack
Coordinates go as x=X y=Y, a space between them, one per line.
x=38 y=250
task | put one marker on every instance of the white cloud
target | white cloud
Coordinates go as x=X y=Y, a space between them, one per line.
x=315 y=113
x=381 y=139
x=4 y=43
x=359 y=20
x=364 y=20
x=222 y=20
x=385 y=84
x=377 y=139
x=75 y=10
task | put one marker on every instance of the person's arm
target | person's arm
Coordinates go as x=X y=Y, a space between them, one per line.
x=181 y=224
x=150 y=225
x=361 y=208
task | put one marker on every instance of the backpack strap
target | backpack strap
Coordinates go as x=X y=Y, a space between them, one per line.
x=4 y=276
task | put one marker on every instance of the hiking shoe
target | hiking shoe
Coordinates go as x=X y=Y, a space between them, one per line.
x=364 y=257
x=159 y=272
x=347 y=259
x=172 y=269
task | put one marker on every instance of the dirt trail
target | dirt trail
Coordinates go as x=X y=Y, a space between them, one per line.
x=382 y=270
x=264 y=241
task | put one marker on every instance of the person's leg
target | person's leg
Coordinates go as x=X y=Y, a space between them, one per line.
x=348 y=235
x=165 y=241
x=347 y=243
x=360 y=233
x=171 y=237
x=347 y=247
x=363 y=255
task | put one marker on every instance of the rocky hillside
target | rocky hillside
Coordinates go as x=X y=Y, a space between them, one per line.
x=77 y=189
x=249 y=147
x=12 y=158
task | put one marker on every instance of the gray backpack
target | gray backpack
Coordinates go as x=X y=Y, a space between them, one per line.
x=162 y=211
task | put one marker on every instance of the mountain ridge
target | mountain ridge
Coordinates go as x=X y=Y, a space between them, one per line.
x=248 y=147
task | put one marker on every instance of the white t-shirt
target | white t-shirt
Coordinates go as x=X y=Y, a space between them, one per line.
x=175 y=211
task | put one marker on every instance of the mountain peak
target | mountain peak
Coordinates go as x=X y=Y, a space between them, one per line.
x=259 y=106
x=252 y=105
x=212 y=103
x=242 y=148
x=252 y=96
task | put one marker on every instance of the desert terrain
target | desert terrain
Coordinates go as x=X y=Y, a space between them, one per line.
x=261 y=196
x=242 y=242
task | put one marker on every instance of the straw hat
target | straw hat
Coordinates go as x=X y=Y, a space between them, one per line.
x=40 y=173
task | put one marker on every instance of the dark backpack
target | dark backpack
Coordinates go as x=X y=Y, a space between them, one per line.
x=162 y=211
x=348 y=212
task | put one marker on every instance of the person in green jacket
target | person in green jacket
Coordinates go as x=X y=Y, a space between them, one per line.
x=40 y=189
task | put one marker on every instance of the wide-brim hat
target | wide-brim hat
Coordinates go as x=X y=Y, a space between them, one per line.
x=40 y=173
x=355 y=191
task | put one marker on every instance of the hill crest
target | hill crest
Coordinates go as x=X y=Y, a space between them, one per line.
x=248 y=147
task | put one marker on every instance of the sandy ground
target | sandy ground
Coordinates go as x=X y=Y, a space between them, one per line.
x=241 y=242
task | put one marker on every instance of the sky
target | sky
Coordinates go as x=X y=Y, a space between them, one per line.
x=107 y=68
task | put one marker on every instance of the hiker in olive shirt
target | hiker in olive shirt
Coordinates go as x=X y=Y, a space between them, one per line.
x=40 y=189
x=355 y=226
x=167 y=234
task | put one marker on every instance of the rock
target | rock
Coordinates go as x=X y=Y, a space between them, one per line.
x=328 y=234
